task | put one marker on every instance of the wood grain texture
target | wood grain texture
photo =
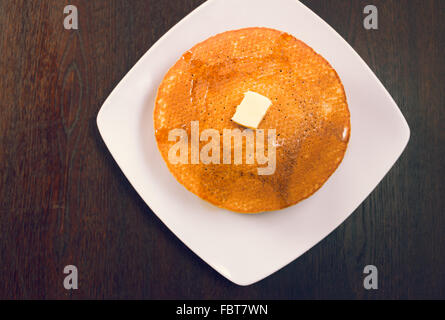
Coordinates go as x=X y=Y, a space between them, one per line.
x=63 y=200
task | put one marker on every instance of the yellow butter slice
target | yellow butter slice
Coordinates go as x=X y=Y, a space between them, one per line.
x=252 y=110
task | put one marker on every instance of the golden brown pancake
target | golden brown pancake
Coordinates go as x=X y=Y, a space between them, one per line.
x=309 y=112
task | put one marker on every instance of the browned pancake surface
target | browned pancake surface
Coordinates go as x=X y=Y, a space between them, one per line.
x=309 y=112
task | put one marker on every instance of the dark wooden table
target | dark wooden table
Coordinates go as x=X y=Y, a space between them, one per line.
x=63 y=199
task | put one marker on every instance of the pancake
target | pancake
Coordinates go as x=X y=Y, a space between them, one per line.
x=309 y=112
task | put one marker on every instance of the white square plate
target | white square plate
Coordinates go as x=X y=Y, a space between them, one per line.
x=248 y=248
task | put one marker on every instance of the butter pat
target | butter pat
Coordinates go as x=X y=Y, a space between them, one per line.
x=252 y=110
